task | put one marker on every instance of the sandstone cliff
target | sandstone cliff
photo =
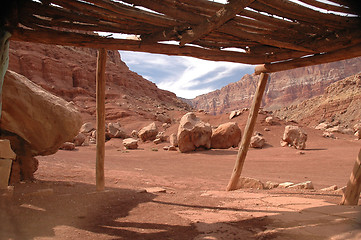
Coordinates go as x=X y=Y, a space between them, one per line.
x=284 y=88
x=339 y=105
x=69 y=72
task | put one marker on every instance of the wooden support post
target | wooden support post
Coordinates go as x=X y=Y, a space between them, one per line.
x=100 y=134
x=248 y=131
x=4 y=58
x=353 y=189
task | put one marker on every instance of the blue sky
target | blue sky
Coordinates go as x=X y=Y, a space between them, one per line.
x=187 y=77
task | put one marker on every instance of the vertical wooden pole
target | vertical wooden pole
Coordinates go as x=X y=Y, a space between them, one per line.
x=100 y=134
x=353 y=189
x=4 y=58
x=248 y=131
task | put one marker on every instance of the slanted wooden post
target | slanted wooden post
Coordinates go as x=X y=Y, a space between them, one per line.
x=100 y=135
x=353 y=189
x=248 y=131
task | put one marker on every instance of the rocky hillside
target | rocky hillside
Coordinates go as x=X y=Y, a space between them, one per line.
x=339 y=105
x=284 y=88
x=69 y=72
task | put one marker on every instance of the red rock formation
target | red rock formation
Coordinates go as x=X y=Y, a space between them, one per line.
x=69 y=72
x=339 y=105
x=284 y=88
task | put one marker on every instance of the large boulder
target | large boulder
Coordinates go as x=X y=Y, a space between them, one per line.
x=294 y=136
x=226 y=135
x=193 y=133
x=148 y=132
x=43 y=120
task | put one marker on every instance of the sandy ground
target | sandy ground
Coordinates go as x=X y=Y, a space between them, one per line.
x=155 y=194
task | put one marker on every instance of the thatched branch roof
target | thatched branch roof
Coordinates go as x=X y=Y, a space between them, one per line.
x=281 y=32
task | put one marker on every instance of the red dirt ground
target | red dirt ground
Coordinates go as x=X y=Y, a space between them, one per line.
x=63 y=203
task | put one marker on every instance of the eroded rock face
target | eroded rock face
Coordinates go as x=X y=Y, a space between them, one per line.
x=193 y=133
x=149 y=132
x=226 y=135
x=294 y=136
x=44 y=121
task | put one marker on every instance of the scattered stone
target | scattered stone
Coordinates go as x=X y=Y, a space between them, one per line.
x=335 y=129
x=270 y=120
x=130 y=143
x=285 y=184
x=67 y=146
x=358 y=134
x=172 y=148
x=134 y=134
x=257 y=141
x=79 y=139
x=173 y=140
x=323 y=126
x=341 y=190
x=149 y=132
x=270 y=185
x=155 y=190
x=328 y=135
x=303 y=185
x=294 y=136
x=163 y=118
x=157 y=141
x=246 y=182
x=161 y=136
x=267 y=129
x=357 y=127
x=329 y=189
x=348 y=131
x=116 y=131
x=193 y=133
x=87 y=127
x=226 y=135
x=234 y=114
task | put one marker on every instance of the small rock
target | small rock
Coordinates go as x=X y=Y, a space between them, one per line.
x=303 y=185
x=87 y=127
x=172 y=148
x=330 y=188
x=270 y=185
x=341 y=190
x=322 y=126
x=173 y=140
x=328 y=135
x=234 y=114
x=246 y=182
x=157 y=141
x=270 y=120
x=257 y=141
x=301 y=153
x=267 y=129
x=166 y=148
x=79 y=139
x=155 y=190
x=130 y=143
x=134 y=134
x=67 y=146
x=358 y=134
x=285 y=184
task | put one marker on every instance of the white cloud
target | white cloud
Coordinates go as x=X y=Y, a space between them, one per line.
x=187 y=77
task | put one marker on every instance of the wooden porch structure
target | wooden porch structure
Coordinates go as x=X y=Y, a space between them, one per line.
x=276 y=35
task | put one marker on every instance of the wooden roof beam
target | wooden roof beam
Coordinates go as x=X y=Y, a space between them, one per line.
x=338 y=55
x=50 y=36
x=223 y=15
